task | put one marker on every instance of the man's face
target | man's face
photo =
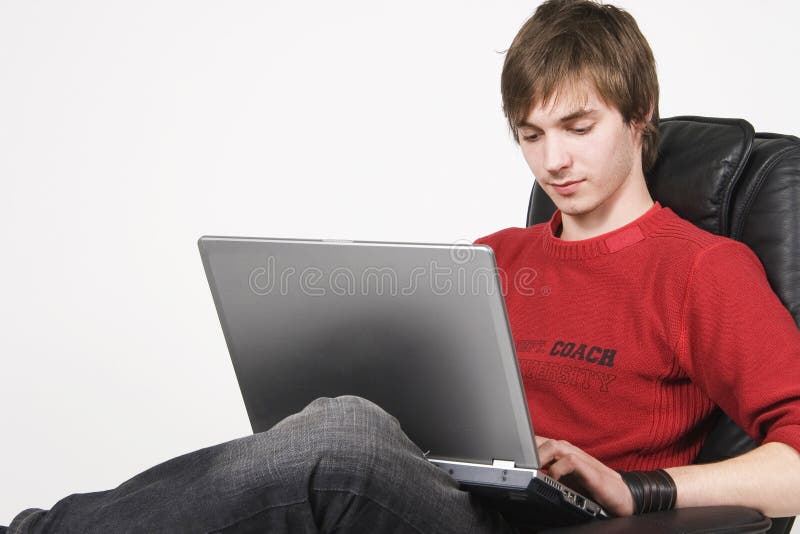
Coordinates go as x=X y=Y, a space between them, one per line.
x=582 y=153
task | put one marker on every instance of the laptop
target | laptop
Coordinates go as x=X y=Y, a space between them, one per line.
x=419 y=329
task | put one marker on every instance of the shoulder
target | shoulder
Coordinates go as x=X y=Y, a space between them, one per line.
x=513 y=236
x=677 y=236
x=513 y=244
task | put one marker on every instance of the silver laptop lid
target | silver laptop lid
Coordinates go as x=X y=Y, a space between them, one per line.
x=419 y=329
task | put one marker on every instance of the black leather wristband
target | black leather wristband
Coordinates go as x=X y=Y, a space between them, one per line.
x=652 y=491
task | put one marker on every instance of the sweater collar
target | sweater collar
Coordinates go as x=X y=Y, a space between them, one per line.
x=607 y=243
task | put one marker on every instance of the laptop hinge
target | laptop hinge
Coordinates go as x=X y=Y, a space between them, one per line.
x=503 y=464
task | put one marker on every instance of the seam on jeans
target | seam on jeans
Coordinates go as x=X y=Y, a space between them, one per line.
x=262 y=510
x=404 y=520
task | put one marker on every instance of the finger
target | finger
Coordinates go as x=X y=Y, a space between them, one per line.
x=569 y=464
x=540 y=440
x=553 y=449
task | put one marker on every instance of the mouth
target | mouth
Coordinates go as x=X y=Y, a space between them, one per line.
x=566 y=188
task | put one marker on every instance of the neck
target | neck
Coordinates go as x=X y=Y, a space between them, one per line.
x=629 y=203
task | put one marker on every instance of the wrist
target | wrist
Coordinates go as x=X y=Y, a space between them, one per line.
x=651 y=491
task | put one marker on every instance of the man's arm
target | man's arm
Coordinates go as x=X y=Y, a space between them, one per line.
x=765 y=478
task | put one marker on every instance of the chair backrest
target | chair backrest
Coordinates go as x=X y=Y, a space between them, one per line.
x=729 y=180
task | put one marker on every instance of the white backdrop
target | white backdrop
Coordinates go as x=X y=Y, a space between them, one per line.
x=129 y=129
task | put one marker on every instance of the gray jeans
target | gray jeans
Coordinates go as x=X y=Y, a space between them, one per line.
x=341 y=465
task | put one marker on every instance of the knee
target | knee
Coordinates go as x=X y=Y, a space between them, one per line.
x=344 y=442
x=336 y=433
x=358 y=445
x=349 y=421
x=347 y=407
x=348 y=427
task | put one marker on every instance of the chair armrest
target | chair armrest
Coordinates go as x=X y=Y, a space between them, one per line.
x=685 y=521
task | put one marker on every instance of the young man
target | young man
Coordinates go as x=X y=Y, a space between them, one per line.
x=642 y=303
x=669 y=301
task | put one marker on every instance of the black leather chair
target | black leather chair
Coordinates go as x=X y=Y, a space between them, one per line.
x=729 y=180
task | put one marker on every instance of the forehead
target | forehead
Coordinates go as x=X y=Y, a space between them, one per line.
x=565 y=100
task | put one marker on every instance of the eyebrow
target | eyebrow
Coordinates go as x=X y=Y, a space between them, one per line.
x=578 y=114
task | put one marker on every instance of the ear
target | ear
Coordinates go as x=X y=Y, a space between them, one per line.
x=640 y=124
x=638 y=127
x=650 y=111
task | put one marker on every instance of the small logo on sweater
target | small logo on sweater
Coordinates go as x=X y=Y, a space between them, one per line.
x=583 y=352
x=581 y=378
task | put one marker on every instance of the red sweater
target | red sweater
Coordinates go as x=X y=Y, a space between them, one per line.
x=627 y=341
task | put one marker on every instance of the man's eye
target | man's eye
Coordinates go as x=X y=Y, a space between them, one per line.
x=531 y=137
x=582 y=131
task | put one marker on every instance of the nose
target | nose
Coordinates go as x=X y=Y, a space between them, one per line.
x=556 y=155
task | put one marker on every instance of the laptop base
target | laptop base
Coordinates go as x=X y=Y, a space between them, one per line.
x=542 y=499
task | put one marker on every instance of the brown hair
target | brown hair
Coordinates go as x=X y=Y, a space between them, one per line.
x=566 y=41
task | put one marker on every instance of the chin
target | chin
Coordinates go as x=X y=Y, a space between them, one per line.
x=574 y=208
